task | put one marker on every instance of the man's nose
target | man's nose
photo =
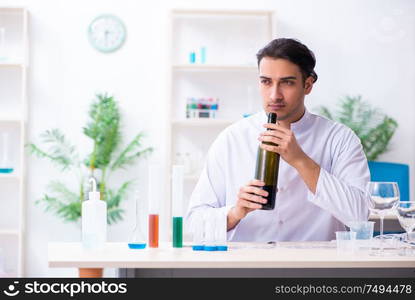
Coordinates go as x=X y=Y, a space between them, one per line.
x=276 y=92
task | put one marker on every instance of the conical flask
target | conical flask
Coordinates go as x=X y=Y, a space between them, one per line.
x=137 y=240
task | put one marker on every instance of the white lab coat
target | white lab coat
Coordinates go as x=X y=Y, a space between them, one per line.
x=299 y=215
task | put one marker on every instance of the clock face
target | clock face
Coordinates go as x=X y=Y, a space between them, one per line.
x=106 y=33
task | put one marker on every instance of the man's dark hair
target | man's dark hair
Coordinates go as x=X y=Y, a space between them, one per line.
x=294 y=51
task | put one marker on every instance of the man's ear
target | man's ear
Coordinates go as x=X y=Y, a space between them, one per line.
x=308 y=85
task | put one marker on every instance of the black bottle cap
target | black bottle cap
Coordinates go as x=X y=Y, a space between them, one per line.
x=272 y=118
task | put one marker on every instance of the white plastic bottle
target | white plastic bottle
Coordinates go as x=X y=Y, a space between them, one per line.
x=94 y=220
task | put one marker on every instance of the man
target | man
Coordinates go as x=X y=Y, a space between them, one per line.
x=323 y=170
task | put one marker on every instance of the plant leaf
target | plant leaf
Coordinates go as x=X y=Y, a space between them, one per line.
x=59 y=189
x=60 y=151
x=68 y=212
x=373 y=128
x=103 y=129
x=115 y=214
x=125 y=158
x=325 y=112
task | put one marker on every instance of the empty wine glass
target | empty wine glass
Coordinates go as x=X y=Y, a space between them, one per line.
x=384 y=197
x=405 y=211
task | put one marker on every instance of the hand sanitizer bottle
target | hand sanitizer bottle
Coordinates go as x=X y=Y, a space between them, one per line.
x=94 y=220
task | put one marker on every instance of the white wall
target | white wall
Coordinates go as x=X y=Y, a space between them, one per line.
x=362 y=47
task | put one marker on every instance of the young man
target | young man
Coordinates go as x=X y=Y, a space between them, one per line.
x=323 y=170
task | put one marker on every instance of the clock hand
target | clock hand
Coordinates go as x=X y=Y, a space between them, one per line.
x=106 y=37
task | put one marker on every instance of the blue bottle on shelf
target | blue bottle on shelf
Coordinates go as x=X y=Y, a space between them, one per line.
x=192 y=57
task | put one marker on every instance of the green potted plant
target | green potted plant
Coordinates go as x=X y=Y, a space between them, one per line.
x=105 y=158
x=374 y=128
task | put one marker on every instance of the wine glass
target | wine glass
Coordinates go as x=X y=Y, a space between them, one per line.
x=384 y=197
x=405 y=211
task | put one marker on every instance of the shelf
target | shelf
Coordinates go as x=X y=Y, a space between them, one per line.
x=202 y=122
x=228 y=72
x=9 y=232
x=12 y=9
x=11 y=65
x=12 y=119
x=207 y=67
x=227 y=13
x=13 y=175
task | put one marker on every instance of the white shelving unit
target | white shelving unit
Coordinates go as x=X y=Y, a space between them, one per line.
x=13 y=120
x=231 y=39
x=202 y=122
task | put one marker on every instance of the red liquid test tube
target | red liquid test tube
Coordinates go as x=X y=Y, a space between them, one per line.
x=153 y=231
x=154 y=196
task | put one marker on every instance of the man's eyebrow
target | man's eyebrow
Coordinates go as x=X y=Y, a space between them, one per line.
x=282 y=78
x=288 y=78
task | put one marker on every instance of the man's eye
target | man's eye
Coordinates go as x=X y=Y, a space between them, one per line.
x=288 y=82
x=265 y=81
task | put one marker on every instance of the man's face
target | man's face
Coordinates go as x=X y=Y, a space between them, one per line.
x=282 y=88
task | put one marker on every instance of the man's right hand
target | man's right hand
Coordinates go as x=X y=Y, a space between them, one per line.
x=250 y=198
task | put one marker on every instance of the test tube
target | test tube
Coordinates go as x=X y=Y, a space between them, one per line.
x=153 y=206
x=215 y=107
x=188 y=107
x=210 y=242
x=198 y=228
x=194 y=111
x=203 y=54
x=221 y=231
x=177 y=199
x=192 y=57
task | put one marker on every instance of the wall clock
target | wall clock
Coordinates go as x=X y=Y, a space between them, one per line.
x=106 y=33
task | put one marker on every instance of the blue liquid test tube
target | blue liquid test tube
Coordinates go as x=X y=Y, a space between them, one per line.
x=210 y=241
x=202 y=55
x=198 y=223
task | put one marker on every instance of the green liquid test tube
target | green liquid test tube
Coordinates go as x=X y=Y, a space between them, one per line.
x=177 y=232
x=177 y=199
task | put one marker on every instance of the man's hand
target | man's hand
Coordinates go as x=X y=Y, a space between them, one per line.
x=291 y=152
x=249 y=199
x=288 y=148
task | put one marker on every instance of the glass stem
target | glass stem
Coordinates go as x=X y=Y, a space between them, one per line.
x=381 y=217
x=381 y=224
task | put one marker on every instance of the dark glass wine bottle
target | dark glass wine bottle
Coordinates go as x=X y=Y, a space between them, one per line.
x=267 y=164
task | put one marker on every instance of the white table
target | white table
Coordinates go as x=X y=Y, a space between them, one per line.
x=286 y=255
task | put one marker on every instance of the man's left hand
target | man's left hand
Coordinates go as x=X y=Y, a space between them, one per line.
x=284 y=138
